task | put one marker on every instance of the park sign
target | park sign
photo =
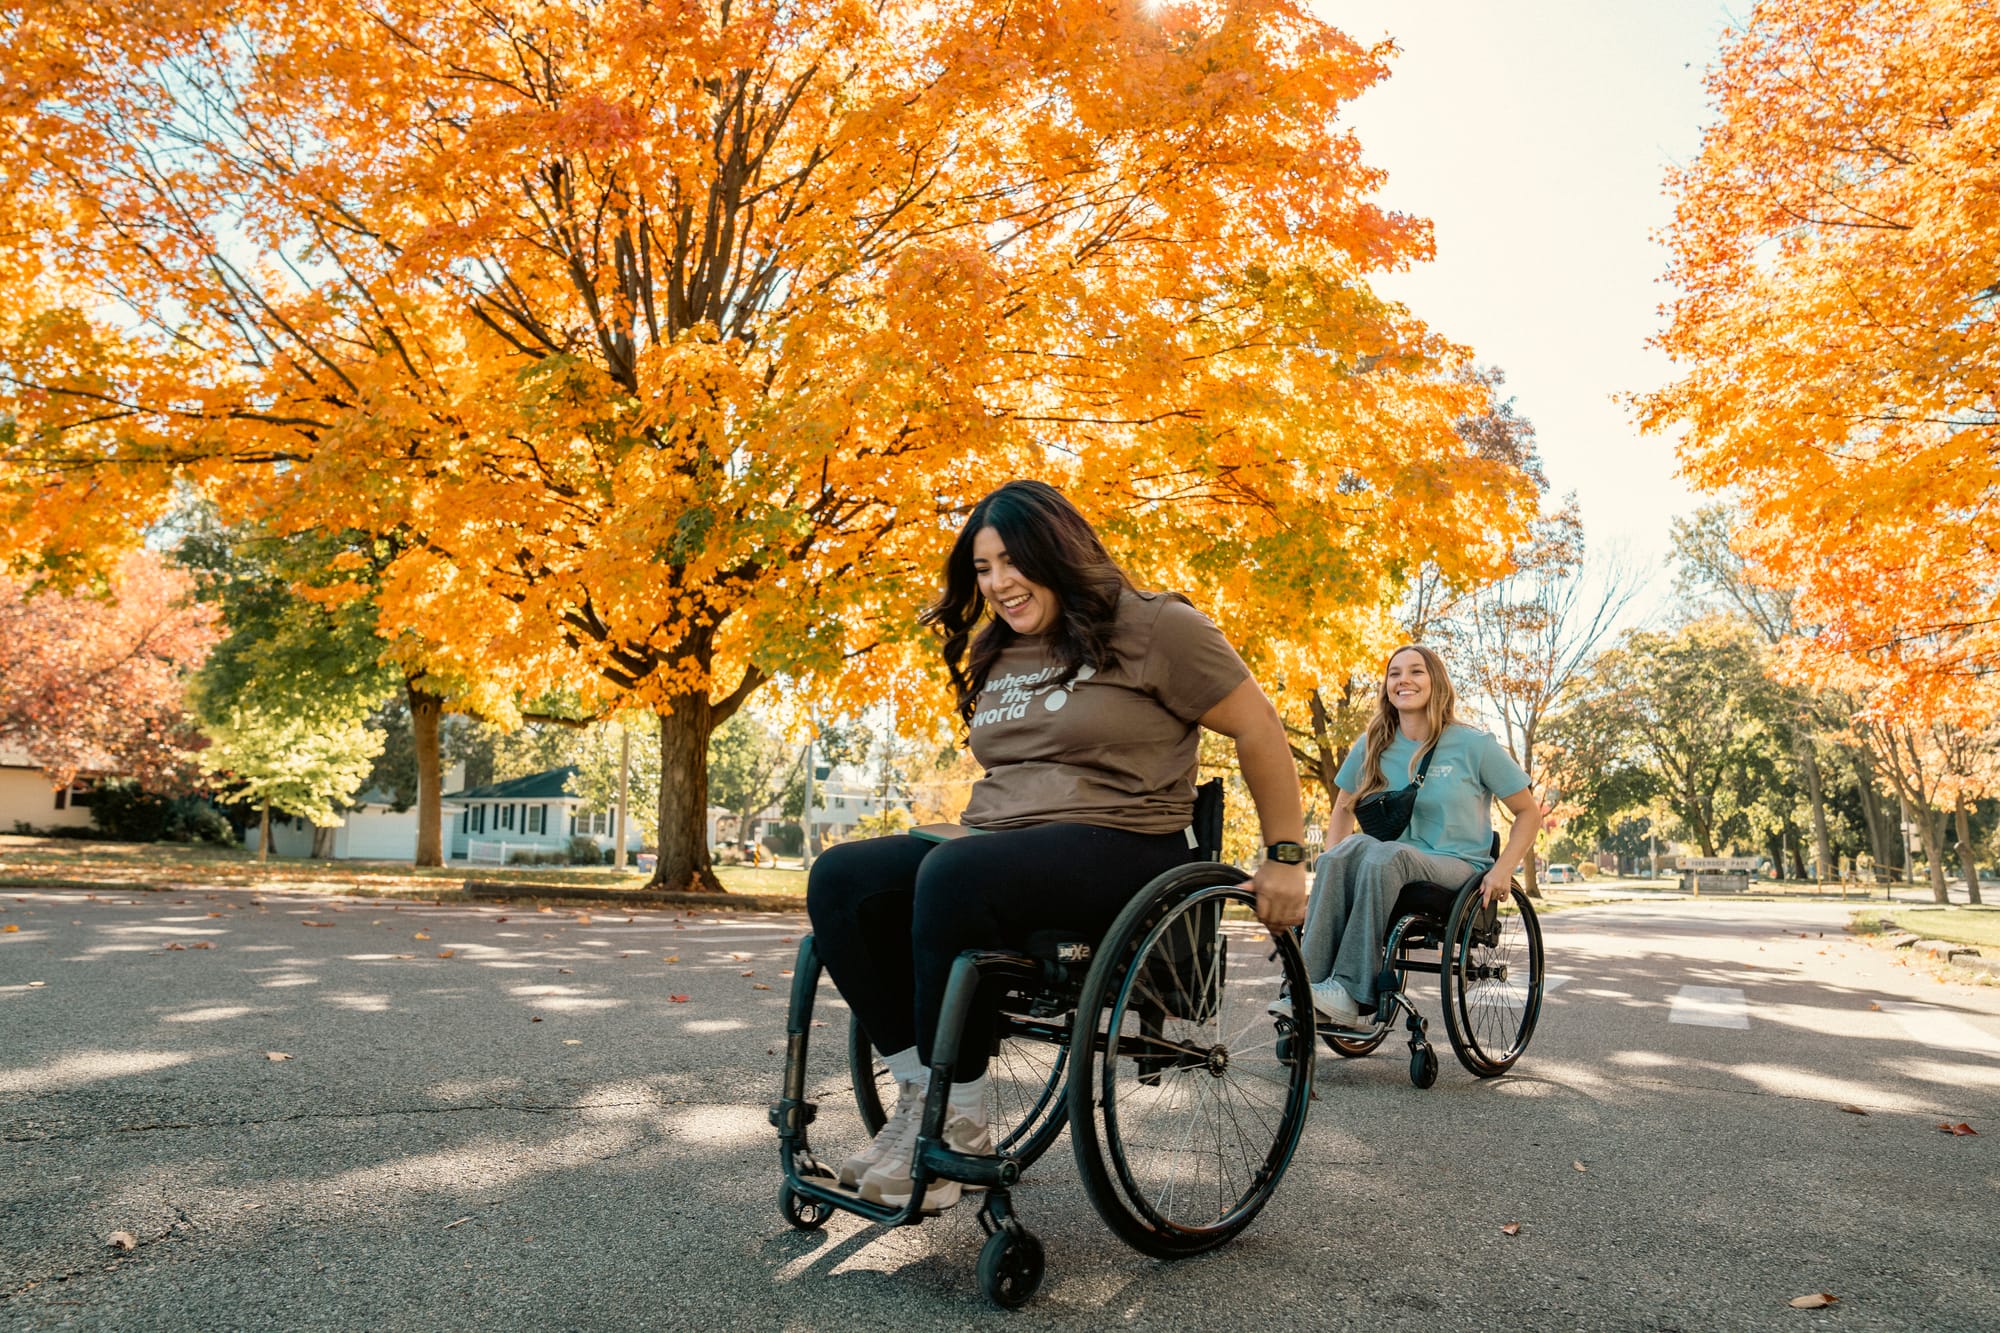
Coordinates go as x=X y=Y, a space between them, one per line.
x=1730 y=864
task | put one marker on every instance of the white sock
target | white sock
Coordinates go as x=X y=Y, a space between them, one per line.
x=969 y=1100
x=906 y=1067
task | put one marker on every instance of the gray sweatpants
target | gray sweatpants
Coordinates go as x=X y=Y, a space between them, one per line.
x=1354 y=890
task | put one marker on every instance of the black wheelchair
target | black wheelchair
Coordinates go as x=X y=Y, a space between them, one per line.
x=1488 y=961
x=1156 y=1046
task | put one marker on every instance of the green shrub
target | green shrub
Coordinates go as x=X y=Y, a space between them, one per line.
x=786 y=839
x=129 y=813
x=583 y=851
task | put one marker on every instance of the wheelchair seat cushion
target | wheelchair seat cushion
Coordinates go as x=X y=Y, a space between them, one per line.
x=1425 y=899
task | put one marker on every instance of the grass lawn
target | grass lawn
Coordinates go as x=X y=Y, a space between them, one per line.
x=171 y=865
x=1976 y=926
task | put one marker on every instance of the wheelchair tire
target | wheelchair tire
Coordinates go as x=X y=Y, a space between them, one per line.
x=1026 y=1084
x=1010 y=1268
x=803 y=1213
x=1491 y=982
x=1187 y=1106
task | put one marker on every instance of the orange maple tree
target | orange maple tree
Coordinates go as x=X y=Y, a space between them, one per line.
x=667 y=342
x=1838 y=328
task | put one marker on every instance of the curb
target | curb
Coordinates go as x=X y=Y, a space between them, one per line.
x=504 y=891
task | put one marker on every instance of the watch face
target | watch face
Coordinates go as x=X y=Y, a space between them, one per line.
x=1286 y=853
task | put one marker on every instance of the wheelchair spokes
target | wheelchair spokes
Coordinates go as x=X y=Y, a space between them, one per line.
x=1492 y=989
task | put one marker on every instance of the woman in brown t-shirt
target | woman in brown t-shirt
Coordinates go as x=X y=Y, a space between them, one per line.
x=1084 y=699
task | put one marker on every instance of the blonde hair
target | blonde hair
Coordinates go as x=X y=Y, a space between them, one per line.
x=1441 y=711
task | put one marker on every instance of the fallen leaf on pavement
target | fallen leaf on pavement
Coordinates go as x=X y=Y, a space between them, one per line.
x=203 y=944
x=178 y=946
x=583 y=918
x=276 y=1055
x=677 y=999
x=215 y=914
x=9 y=930
x=746 y=974
x=787 y=939
x=447 y=953
x=1511 y=1229
x=545 y=909
x=1851 y=1110
x=536 y=1019
x=327 y=924
x=566 y=972
x=421 y=935
x=1959 y=1130
x=36 y=985
x=1579 y=1166
x=499 y=920
x=740 y=957
x=671 y=958
x=758 y=985
x=1817 y=1301
x=1874 y=1006
x=572 y=1041
x=122 y=1240
x=463 y=1220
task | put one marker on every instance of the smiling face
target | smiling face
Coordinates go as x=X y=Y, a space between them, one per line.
x=1408 y=682
x=1026 y=607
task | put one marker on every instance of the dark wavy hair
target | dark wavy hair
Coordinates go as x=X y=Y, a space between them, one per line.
x=1052 y=544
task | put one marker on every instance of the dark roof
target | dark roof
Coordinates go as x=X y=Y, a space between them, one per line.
x=544 y=786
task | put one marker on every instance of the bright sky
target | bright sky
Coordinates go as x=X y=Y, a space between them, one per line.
x=1535 y=134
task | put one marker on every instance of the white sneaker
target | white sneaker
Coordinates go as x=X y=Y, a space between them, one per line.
x=1331 y=1000
x=901 y=1122
x=888 y=1182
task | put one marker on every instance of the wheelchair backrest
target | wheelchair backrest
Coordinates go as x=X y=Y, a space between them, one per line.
x=1207 y=822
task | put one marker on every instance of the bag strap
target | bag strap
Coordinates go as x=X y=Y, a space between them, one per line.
x=1425 y=767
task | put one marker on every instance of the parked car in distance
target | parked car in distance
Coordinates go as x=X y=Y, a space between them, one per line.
x=1561 y=873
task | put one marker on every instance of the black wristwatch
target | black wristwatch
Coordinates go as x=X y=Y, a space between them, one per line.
x=1286 y=853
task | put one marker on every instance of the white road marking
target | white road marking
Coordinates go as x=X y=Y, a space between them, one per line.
x=1555 y=981
x=1710 y=1007
x=1936 y=1027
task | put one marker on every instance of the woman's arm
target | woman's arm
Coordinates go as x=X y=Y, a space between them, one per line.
x=1340 y=826
x=1265 y=758
x=1527 y=813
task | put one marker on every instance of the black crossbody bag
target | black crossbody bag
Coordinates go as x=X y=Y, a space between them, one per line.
x=1383 y=815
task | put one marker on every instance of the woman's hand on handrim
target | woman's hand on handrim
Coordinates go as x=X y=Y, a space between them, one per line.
x=1281 y=895
x=1496 y=885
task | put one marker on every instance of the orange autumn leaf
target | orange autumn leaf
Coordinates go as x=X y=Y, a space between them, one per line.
x=677 y=999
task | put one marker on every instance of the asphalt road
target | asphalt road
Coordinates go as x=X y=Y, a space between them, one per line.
x=534 y=1132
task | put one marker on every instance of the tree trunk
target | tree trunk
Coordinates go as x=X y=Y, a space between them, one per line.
x=1933 y=840
x=1822 y=868
x=322 y=845
x=1871 y=808
x=1967 y=862
x=426 y=709
x=684 y=865
x=264 y=834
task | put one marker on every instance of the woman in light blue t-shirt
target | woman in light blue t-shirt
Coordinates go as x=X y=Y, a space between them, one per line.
x=1448 y=842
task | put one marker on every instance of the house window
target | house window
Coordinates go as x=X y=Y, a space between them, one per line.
x=507 y=816
x=62 y=798
x=538 y=816
x=479 y=819
x=840 y=802
x=464 y=821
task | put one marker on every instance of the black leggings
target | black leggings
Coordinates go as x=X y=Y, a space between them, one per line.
x=889 y=915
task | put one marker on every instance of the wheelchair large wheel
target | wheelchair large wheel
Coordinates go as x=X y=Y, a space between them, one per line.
x=1491 y=984
x=1025 y=1083
x=1188 y=1105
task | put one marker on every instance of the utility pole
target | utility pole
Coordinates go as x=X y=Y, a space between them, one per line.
x=624 y=776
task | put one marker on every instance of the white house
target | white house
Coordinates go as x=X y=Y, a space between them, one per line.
x=536 y=813
x=846 y=797
x=374 y=830
x=27 y=796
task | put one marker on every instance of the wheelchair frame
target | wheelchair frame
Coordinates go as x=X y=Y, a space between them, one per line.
x=1430 y=916
x=1110 y=981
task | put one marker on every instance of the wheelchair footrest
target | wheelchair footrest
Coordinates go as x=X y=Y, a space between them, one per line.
x=991 y=1172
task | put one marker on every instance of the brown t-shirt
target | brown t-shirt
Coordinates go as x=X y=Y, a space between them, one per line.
x=1115 y=747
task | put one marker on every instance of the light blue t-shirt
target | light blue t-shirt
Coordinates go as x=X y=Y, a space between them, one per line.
x=1454 y=811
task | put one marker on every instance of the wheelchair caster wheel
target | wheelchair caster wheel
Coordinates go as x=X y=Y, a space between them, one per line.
x=1010 y=1268
x=803 y=1213
x=1423 y=1066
